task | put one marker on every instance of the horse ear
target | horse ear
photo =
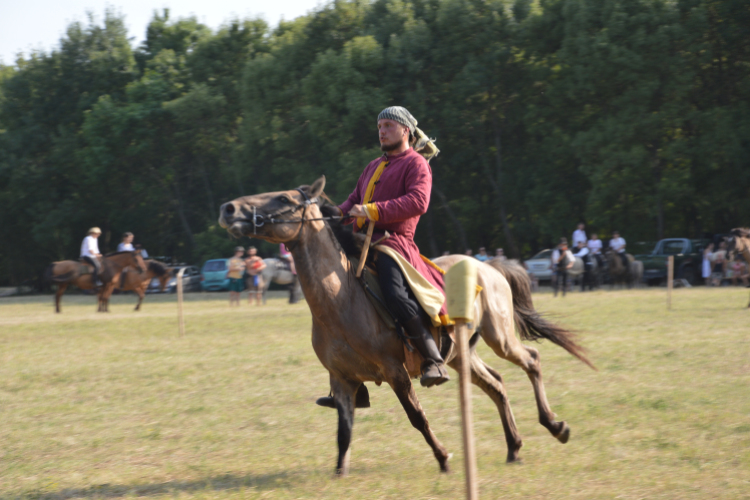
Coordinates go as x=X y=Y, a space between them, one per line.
x=317 y=187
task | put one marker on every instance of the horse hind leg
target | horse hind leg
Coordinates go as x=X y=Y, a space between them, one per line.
x=402 y=386
x=491 y=382
x=532 y=365
x=528 y=358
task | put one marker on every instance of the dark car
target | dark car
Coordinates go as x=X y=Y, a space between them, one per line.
x=688 y=255
x=214 y=275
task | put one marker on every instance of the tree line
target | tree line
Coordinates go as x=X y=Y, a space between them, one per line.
x=625 y=114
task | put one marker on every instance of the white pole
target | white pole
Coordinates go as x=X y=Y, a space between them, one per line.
x=180 y=318
x=461 y=291
x=470 y=459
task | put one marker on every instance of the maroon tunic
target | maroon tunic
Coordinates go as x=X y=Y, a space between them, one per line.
x=402 y=195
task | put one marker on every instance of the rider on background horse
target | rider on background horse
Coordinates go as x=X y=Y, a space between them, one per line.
x=90 y=253
x=394 y=191
x=617 y=244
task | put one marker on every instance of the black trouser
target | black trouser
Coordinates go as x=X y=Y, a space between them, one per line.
x=403 y=304
x=625 y=262
x=562 y=278
x=599 y=260
x=397 y=294
x=586 y=273
x=94 y=262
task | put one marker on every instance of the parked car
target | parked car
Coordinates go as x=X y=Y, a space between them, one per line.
x=688 y=256
x=538 y=265
x=191 y=280
x=214 y=275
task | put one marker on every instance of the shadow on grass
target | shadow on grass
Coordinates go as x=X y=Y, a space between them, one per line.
x=279 y=480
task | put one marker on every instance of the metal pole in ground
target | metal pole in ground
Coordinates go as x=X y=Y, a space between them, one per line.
x=461 y=290
x=670 y=280
x=180 y=318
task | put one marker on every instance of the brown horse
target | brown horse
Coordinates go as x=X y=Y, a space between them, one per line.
x=740 y=242
x=356 y=346
x=80 y=274
x=137 y=281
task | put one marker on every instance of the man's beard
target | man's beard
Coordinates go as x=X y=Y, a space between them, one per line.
x=390 y=147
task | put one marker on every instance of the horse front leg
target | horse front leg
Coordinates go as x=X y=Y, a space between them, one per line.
x=58 y=295
x=399 y=381
x=141 y=294
x=344 y=393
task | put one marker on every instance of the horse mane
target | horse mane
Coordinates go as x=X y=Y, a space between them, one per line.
x=157 y=268
x=342 y=234
x=742 y=232
x=112 y=254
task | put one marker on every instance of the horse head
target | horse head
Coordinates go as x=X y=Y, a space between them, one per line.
x=739 y=242
x=161 y=273
x=274 y=217
x=138 y=261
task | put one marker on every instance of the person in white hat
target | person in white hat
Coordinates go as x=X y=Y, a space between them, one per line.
x=90 y=253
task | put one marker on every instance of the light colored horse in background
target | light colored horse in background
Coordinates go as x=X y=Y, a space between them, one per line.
x=278 y=272
x=739 y=242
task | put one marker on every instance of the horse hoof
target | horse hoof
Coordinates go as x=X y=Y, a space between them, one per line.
x=444 y=468
x=514 y=461
x=564 y=434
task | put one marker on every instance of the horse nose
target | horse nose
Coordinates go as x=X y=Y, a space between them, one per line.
x=228 y=208
x=226 y=211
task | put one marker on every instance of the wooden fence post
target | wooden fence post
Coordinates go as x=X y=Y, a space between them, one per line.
x=670 y=280
x=180 y=318
x=461 y=290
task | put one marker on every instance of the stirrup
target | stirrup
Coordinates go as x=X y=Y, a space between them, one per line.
x=330 y=402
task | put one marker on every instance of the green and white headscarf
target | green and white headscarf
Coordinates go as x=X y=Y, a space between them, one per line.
x=424 y=145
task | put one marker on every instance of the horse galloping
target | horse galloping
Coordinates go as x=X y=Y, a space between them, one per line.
x=73 y=272
x=355 y=345
x=739 y=242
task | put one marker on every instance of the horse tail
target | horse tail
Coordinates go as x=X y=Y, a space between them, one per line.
x=530 y=324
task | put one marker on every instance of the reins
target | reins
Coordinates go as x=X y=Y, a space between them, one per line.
x=261 y=220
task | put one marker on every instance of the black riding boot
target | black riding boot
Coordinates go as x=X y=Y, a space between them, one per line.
x=433 y=368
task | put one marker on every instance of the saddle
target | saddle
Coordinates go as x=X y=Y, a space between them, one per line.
x=85 y=268
x=444 y=337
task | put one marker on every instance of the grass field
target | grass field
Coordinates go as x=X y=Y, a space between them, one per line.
x=110 y=406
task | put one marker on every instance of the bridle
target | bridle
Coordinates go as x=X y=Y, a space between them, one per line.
x=260 y=220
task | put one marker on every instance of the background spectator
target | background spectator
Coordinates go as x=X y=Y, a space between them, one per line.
x=579 y=235
x=482 y=255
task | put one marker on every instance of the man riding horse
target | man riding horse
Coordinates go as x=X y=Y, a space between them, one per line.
x=394 y=191
x=90 y=254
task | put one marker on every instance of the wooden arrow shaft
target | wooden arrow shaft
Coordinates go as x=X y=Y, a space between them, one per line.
x=365 y=248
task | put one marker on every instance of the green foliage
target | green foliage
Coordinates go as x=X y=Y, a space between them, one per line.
x=627 y=114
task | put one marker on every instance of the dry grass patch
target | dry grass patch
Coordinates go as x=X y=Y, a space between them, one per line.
x=110 y=406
